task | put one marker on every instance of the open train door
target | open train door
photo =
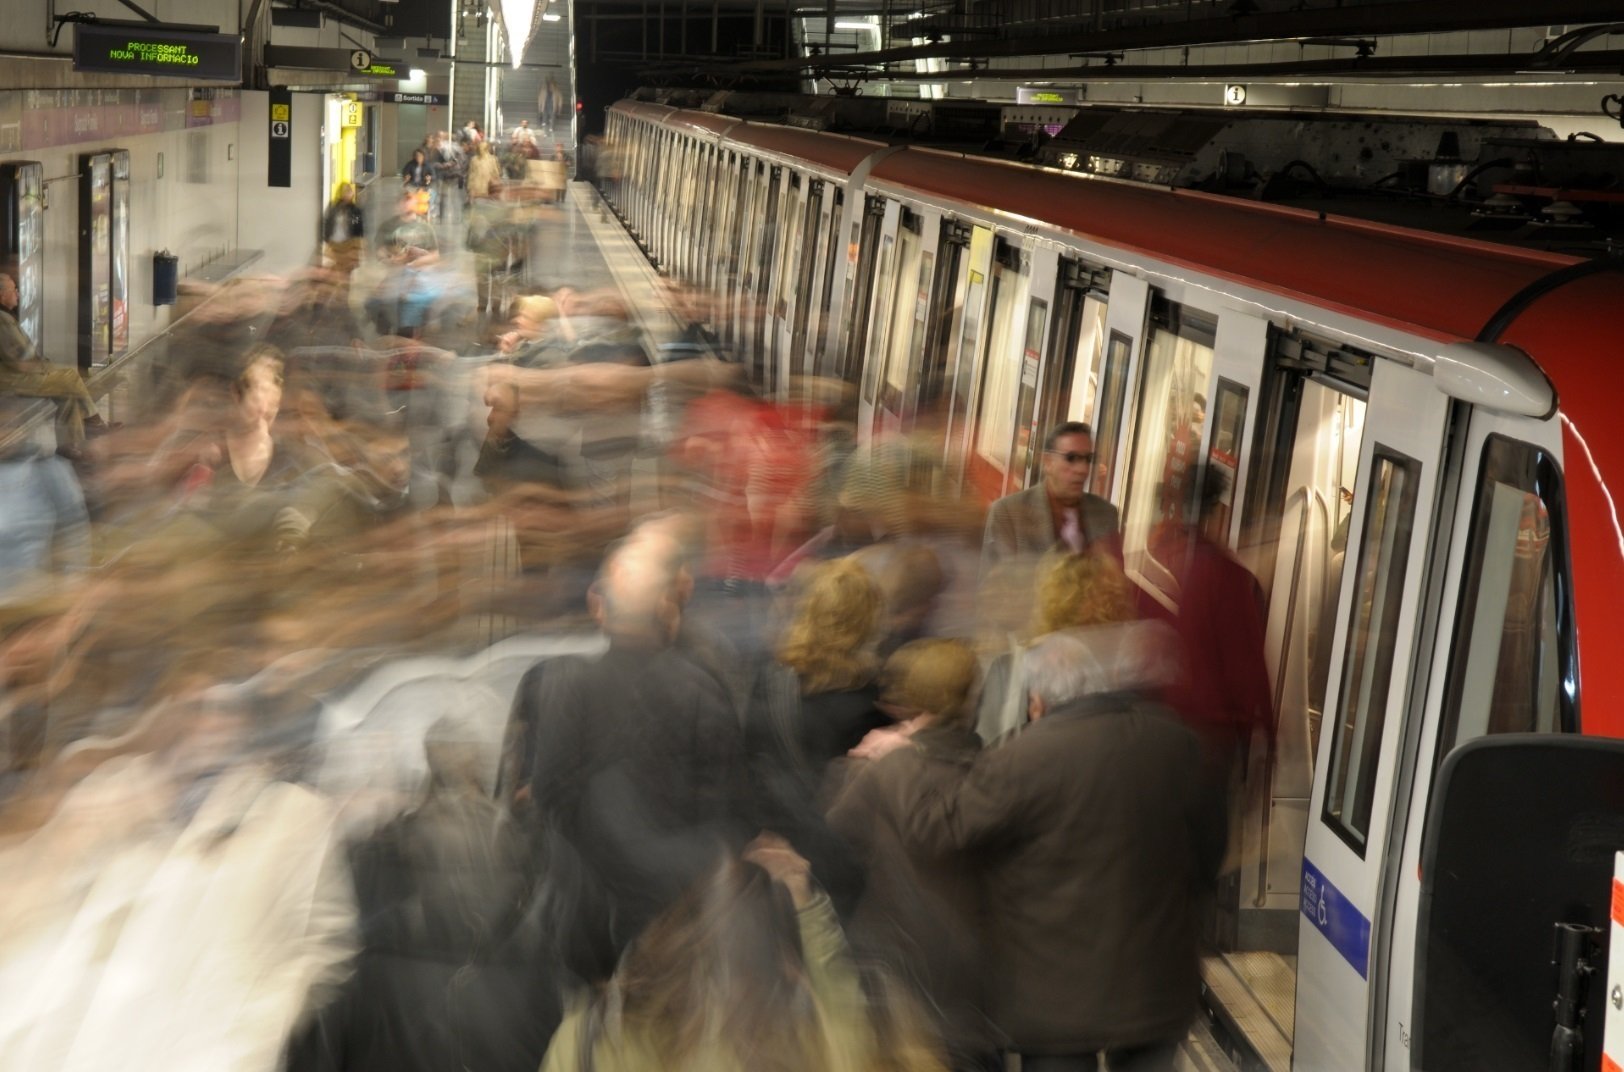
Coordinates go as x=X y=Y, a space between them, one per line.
x=1517 y=896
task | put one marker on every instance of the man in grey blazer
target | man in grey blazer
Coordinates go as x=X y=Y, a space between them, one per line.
x=1059 y=513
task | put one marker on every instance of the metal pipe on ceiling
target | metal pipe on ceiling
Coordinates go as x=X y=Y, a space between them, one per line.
x=1394 y=18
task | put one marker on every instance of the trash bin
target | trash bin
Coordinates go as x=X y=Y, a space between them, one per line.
x=165 y=277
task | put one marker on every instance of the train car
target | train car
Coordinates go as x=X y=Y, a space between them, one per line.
x=1421 y=448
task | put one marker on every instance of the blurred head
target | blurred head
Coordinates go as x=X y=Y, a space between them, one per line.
x=417 y=156
x=1126 y=657
x=639 y=592
x=1080 y=590
x=932 y=677
x=346 y=191
x=258 y=386
x=724 y=966
x=1068 y=461
x=827 y=642
x=8 y=292
x=532 y=312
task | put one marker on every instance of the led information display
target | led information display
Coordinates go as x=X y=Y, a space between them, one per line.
x=124 y=49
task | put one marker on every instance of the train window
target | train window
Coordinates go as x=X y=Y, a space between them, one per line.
x=1108 y=412
x=880 y=319
x=1001 y=376
x=907 y=305
x=1512 y=670
x=1167 y=440
x=1027 y=412
x=1224 y=455
x=834 y=252
x=1378 y=595
x=1088 y=359
x=968 y=335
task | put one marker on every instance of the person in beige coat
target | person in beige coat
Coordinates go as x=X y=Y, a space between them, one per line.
x=484 y=170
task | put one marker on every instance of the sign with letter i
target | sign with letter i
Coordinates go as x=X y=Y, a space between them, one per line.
x=1612 y=1038
x=279 y=149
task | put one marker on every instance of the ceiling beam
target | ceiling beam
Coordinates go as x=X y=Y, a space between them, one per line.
x=1388 y=19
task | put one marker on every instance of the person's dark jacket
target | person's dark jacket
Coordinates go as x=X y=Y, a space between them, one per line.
x=1099 y=839
x=350 y=213
x=921 y=913
x=792 y=740
x=637 y=784
x=455 y=970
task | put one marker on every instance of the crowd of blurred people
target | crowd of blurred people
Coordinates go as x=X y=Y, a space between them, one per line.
x=867 y=775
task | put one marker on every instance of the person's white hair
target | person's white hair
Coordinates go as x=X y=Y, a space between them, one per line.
x=637 y=579
x=1121 y=657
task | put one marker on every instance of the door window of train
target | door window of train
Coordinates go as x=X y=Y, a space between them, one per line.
x=1367 y=671
x=1512 y=666
x=1027 y=435
x=1086 y=363
x=879 y=319
x=1113 y=400
x=912 y=296
x=1224 y=457
x=1167 y=440
x=1001 y=378
x=967 y=333
x=833 y=252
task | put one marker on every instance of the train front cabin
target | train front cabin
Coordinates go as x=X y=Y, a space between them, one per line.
x=1424 y=457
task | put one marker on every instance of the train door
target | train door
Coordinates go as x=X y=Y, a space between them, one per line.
x=1004 y=355
x=832 y=258
x=878 y=298
x=1027 y=451
x=973 y=268
x=863 y=257
x=769 y=236
x=1072 y=373
x=751 y=223
x=811 y=272
x=786 y=280
x=898 y=358
x=1374 y=649
x=1503 y=655
x=1175 y=366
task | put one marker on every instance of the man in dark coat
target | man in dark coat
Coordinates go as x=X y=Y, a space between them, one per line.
x=1098 y=839
x=638 y=763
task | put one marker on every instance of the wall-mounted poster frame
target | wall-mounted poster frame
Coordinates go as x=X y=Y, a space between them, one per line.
x=22 y=241
x=95 y=258
x=118 y=272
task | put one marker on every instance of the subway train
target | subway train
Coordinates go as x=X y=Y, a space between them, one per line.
x=1423 y=444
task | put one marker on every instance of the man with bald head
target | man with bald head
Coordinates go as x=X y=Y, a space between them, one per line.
x=638 y=772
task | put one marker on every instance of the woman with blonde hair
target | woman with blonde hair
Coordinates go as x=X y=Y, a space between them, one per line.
x=811 y=703
x=1073 y=590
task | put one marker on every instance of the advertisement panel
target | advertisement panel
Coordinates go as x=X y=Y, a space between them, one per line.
x=118 y=271
x=95 y=257
x=22 y=249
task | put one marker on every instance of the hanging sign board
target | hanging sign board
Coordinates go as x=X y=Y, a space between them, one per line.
x=154 y=50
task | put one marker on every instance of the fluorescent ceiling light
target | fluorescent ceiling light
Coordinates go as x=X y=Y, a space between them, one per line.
x=854 y=26
x=552 y=17
x=415 y=75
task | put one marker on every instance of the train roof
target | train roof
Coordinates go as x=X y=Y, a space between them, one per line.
x=707 y=123
x=836 y=152
x=1433 y=286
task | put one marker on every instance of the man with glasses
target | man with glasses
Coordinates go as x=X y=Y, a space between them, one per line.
x=1059 y=513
